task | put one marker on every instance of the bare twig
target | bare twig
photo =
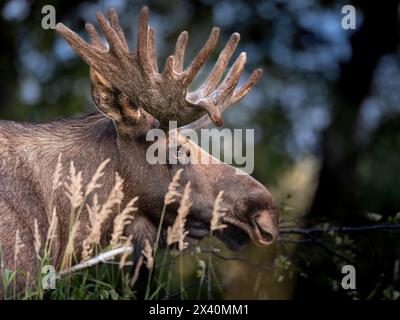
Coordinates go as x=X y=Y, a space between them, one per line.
x=312 y=230
x=332 y=251
x=216 y=252
x=295 y=241
x=103 y=257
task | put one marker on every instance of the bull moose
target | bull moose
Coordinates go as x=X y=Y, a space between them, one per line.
x=132 y=97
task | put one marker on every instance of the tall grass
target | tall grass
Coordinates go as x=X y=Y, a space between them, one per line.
x=89 y=270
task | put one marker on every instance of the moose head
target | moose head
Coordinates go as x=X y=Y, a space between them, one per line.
x=128 y=88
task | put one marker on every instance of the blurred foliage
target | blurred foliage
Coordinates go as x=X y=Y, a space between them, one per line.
x=326 y=112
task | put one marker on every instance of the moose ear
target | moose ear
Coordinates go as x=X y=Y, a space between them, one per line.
x=104 y=96
x=111 y=102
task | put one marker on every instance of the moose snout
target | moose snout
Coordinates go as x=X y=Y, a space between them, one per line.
x=265 y=227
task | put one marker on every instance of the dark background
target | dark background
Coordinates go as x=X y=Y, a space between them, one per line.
x=326 y=115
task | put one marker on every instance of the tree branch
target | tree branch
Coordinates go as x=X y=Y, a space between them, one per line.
x=312 y=230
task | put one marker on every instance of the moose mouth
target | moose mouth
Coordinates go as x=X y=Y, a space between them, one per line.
x=238 y=234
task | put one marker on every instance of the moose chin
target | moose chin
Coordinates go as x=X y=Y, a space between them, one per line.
x=132 y=97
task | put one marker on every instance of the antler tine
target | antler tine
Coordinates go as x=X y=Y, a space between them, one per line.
x=202 y=56
x=153 y=49
x=94 y=36
x=226 y=87
x=216 y=73
x=180 y=49
x=169 y=67
x=142 y=40
x=111 y=35
x=113 y=17
x=247 y=86
x=238 y=94
x=213 y=112
x=223 y=92
x=89 y=53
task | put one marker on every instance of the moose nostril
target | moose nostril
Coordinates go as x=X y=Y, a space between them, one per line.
x=265 y=223
x=265 y=233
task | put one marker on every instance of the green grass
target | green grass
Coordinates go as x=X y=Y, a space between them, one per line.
x=176 y=275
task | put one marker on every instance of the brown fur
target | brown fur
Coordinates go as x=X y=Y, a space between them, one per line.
x=29 y=154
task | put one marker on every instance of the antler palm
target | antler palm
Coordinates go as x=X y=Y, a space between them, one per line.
x=164 y=95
